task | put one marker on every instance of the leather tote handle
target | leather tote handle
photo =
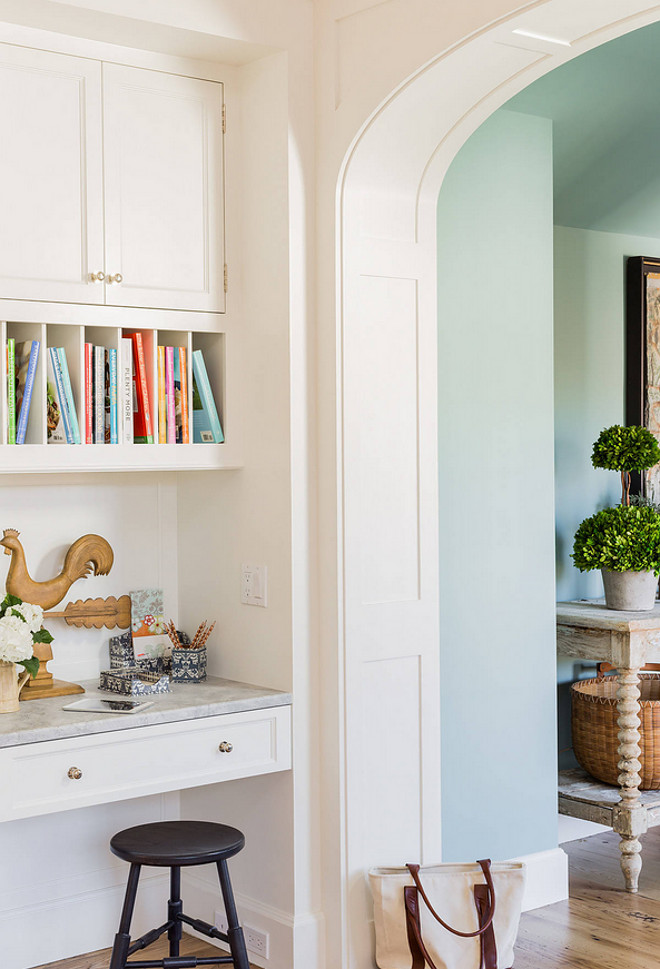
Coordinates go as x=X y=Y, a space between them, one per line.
x=485 y=867
x=420 y=954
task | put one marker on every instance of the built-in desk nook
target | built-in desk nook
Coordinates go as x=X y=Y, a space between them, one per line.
x=55 y=760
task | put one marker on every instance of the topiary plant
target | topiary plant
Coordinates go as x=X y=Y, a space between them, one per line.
x=625 y=449
x=625 y=538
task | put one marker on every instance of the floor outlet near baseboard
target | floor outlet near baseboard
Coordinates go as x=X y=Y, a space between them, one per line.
x=256 y=941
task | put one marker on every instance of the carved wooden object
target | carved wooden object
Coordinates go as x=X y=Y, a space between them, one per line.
x=628 y=641
x=90 y=553
x=96 y=613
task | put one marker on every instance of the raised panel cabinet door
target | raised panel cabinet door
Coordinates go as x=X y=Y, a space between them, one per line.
x=51 y=176
x=163 y=190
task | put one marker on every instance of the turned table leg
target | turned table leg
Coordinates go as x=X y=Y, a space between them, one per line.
x=629 y=816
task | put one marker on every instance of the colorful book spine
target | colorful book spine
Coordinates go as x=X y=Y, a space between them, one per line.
x=206 y=423
x=126 y=391
x=11 y=390
x=61 y=393
x=99 y=395
x=169 y=391
x=146 y=434
x=54 y=419
x=89 y=394
x=114 y=417
x=68 y=391
x=21 y=426
x=162 y=398
x=183 y=375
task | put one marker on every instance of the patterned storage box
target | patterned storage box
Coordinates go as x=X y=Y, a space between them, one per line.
x=134 y=681
x=189 y=665
x=122 y=654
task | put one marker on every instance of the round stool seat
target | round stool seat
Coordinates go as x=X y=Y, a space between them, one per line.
x=167 y=843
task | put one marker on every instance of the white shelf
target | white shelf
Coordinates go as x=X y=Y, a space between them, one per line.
x=56 y=458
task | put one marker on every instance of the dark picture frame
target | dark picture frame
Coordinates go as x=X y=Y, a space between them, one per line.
x=642 y=370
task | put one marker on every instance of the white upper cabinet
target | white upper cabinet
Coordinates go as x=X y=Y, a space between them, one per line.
x=51 y=188
x=163 y=190
x=111 y=184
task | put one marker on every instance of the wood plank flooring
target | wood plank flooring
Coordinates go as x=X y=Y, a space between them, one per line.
x=101 y=958
x=599 y=927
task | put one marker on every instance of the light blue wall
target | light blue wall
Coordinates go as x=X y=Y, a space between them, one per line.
x=589 y=383
x=497 y=559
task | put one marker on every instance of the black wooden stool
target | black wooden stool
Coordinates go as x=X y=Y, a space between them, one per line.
x=173 y=844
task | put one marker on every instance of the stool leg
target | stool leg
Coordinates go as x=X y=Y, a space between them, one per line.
x=234 y=930
x=174 y=909
x=123 y=936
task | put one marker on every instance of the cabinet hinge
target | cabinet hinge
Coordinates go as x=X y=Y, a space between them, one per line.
x=226 y=278
x=224 y=119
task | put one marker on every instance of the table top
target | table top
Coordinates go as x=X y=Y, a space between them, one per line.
x=594 y=614
x=39 y=720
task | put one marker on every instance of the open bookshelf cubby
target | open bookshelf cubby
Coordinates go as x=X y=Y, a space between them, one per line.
x=37 y=455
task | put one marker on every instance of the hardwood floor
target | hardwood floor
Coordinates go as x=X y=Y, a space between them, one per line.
x=101 y=958
x=599 y=927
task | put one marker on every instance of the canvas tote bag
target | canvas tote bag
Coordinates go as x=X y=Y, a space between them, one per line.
x=447 y=916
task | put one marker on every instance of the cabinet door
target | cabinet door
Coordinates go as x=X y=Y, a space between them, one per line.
x=51 y=188
x=163 y=189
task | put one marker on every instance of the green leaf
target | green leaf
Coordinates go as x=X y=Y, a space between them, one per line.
x=8 y=601
x=15 y=612
x=31 y=665
x=42 y=636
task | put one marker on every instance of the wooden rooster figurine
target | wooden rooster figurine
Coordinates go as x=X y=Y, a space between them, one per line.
x=91 y=553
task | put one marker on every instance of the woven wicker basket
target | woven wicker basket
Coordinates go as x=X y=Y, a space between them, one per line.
x=595 y=728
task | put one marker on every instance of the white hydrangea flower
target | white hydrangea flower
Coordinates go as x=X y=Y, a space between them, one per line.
x=33 y=615
x=15 y=639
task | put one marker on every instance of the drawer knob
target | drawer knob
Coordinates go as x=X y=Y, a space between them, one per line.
x=225 y=747
x=96 y=277
x=117 y=278
x=74 y=773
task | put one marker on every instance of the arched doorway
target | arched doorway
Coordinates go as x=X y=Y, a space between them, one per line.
x=388 y=442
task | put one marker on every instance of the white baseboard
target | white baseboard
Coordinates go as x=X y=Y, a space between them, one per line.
x=292 y=940
x=33 y=934
x=547 y=878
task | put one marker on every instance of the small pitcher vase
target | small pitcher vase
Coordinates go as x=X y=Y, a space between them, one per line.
x=11 y=685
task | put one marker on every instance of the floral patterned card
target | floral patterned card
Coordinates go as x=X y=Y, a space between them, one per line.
x=148 y=624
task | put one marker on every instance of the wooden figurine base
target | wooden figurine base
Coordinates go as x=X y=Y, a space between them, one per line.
x=53 y=688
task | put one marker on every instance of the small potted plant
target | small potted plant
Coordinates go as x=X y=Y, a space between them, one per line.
x=623 y=541
x=20 y=629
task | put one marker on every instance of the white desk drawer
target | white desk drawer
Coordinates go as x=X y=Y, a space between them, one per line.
x=42 y=778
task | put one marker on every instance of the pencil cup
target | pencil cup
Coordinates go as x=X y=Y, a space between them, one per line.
x=189 y=665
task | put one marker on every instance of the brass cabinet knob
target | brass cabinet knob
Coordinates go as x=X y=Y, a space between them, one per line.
x=225 y=747
x=117 y=278
x=96 y=277
x=74 y=773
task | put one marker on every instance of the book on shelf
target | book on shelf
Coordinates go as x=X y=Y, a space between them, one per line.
x=11 y=390
x=114 y=416
x=142 y=429
x=89 y=393
x=206 y=423
x=162 y=398
x=54 y=372
x=169 y=395
x=68 y=394
x=126 y=391
x=27 y=356
x=181 y=369
x=99 y=395
x=55 y=430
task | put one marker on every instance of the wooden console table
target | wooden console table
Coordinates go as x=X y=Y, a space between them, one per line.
x=627 y=640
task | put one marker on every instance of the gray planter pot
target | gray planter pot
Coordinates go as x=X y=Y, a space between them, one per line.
x=630 y=591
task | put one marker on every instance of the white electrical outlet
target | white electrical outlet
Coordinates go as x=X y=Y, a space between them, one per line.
x=254 y=585
x=256 y=941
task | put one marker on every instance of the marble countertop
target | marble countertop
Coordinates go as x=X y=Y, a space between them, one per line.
x=39 y=720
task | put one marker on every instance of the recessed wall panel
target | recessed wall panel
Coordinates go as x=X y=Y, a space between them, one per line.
x=387 y=444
